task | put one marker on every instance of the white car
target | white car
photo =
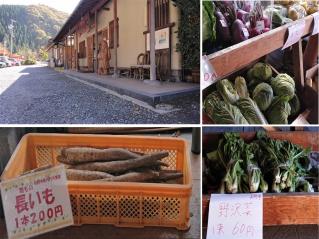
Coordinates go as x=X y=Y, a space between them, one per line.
x=3 y=64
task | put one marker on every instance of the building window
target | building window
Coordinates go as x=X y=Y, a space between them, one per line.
x=161 y=13
x=82 y=50
x=111 y=29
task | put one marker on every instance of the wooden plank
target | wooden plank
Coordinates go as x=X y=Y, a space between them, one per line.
x=311 y=52
x=282 y=209
x=240 y=55
x=297 y=58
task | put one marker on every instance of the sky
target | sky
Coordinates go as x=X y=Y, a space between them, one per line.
x=63 y=5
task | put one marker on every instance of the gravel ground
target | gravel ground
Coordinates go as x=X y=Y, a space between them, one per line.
x=39 y=95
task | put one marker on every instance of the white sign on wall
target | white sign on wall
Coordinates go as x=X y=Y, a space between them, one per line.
x=235 y=216
x=161 y=39
x=36 y=203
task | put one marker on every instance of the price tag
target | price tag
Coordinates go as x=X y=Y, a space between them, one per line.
x=295 y=33
x=260 y=25
x=209 y=74
x=315 y=23
x=235 y=216
x=224 y=24
x=36 y=203
x=246 y=33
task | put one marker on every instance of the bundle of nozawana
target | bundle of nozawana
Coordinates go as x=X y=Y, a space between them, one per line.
x=258 y=99
x=116 y=165
x=263 y=165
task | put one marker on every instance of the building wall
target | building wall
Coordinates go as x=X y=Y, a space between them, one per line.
x=132 y=23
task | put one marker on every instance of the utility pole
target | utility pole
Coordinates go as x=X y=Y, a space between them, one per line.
x=11 y=27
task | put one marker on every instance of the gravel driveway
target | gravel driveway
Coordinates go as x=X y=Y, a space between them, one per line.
x=40 y=95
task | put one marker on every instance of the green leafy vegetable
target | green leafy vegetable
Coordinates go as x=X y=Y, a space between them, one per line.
x=283 y=85
x=251 y=111
x=241 y=87
x=263 y=96
x=262 y=71
x=294 y=105
x=227 y=91
x=279 y=110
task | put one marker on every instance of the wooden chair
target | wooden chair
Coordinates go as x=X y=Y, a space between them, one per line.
x=147 y=67
x=135 y=71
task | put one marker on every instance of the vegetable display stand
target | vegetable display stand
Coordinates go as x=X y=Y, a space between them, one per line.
x=235 y=59
x=281 y=208
x=117 y=203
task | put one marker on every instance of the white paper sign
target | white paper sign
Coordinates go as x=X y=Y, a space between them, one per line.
x=36 y=203
x=235 y=216
x=295 y=33
x=208 y=73
x=161 y=39
x=260 y=25
x=315 y=23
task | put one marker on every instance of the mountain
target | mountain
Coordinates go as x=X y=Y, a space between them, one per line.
x=34 y=25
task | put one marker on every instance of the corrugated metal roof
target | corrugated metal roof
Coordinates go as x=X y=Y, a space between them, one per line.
x=82 y=9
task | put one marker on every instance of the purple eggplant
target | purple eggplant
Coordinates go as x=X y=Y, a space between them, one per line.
x=242 y=15
x=222 y=27
x=239 y=31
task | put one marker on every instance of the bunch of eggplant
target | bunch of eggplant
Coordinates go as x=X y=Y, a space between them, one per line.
x=263 y=165
x=116 y=165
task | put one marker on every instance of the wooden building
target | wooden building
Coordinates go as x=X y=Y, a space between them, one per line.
x=79 y=44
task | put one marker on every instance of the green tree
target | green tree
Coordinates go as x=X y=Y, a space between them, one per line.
x=189 y=32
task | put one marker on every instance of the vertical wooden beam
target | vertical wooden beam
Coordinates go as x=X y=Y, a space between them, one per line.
x=298 y=66
x=115 y=38
x=152 y=41
x=96 y=44
x=311 y=52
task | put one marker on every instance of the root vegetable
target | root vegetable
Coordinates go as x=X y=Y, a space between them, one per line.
x=133 y=177
x=125 y=165
x=166 y=175
x=79 y=155
x=85 y=175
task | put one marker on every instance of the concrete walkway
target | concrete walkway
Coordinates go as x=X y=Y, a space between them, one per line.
x=151 y=93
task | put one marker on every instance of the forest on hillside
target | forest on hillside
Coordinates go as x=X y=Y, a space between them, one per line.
x=33 y=25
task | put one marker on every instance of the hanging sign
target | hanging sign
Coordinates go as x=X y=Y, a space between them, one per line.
x=209 y=74
x=161 y=39
x=315 y=23
x=36 y=203
x=295 y=33
x=235 y=216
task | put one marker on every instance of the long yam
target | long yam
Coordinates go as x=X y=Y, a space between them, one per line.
x=78 y=155
x=85 y=175
x=115 y=167
x=133 y=177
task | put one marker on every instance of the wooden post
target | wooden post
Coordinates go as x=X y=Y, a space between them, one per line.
x=152 y=42
x=298 y=66
x=96 y=45
x=311 y=52
x=115 y=38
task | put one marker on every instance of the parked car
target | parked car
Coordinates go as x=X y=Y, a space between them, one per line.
x=3 y=64
x=15 y=62
x=5 y=60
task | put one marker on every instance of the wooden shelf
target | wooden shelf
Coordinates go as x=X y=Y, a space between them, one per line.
x=282 y=209
x=279 y=208
x=236 y=57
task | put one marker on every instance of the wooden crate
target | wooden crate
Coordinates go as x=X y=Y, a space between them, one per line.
x=308 y=99
x=235 y=59
x=283 y=208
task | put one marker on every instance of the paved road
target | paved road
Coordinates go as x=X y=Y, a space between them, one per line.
x=39 y=95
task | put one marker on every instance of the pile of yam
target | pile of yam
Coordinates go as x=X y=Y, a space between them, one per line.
x=116 y=165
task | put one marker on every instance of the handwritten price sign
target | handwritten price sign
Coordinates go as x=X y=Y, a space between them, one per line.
x=235 y=216
x=36 y=203
x=209 y=73
x=295 y=33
